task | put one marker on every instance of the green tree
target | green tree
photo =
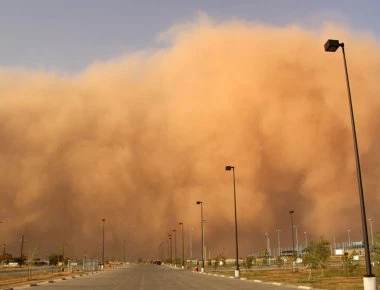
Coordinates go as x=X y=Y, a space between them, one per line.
x=348 y=262
x=317 y=255
x=33 y=254
x=249 y=262
x=216 y=263
x=6 y=259
x=221 y=258
x=54 y=259
x=280 y=261
x=265 y=257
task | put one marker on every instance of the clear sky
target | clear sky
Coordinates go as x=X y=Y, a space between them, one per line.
x=69 y=35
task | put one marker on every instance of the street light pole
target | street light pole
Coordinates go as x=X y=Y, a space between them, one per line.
x=171 y=249
x=349 y=237
x=296 y=227
x=278 y=241
x=204 y=240
x=168 y=256
x=191 y=243
x=369 y=280
x=22 y=248
x=163 y=252
x=237 y=271
x=305 y=239
x=268 y=247
x=291 y=219
x=3 y=254
x=183 y=247
x=124 y=251
x=103 y=243
x=203 y=258
x=175 y=247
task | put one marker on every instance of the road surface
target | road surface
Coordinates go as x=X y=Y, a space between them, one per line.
x=149 y=277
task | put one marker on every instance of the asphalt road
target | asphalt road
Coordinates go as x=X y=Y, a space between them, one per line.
x=146 y=277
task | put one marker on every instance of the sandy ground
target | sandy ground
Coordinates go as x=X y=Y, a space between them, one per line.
x=14 y=281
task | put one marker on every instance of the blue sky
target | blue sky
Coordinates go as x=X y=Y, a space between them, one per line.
x=69 y=35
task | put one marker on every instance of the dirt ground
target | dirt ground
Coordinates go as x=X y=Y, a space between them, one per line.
x=14 y=281
x=332 y=279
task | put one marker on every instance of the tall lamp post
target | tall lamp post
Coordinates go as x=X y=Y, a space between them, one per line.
x=168 y=256
x=306 y=244
x=237 y=271
x=297 y=244
x=103 y=220
x=171 y=249
x=268 y=247
x=369 y=280
x=349 y=238
x=175 y=247
x=191 y=243
x=124 y=251
x=203 y=258
x=183 y=247
x=278 y=241
x=291 y=219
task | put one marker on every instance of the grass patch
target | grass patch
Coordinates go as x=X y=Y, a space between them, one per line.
x=6 y=281
x=333 y=278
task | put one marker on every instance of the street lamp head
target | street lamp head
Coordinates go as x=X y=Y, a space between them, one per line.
x=332 y=45
x=180 y=223
x=103 y=220
x=199 y=202
x=292 y=211
x=174 y=230
x=229 y=167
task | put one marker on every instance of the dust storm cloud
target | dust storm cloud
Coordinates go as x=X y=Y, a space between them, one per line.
x=137 y=140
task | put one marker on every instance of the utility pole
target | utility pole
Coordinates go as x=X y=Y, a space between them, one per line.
x=3 y=254
x=103 y=220
x=171 y=251
x=175 y=247
x=278 y=241
x=191 y=243
x=291 y=219
x=124 y=251
x=22 y=248
x=296 y=227
x=63 y=253
x=183 y=247
x=306 y=243
x=268 y=247
x=204 y=241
